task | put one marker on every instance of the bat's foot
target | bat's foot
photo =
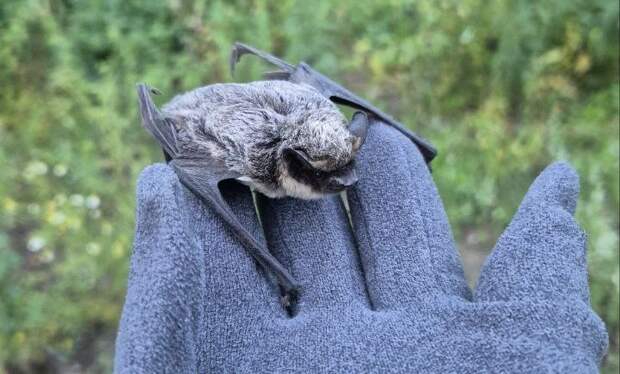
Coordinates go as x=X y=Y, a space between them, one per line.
x=289 y=299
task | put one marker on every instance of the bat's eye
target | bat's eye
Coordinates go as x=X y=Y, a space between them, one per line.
x=317 y=173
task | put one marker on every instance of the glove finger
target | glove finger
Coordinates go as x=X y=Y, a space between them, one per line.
x=161 y=261
x=403 y=234
x=314 y=241
x=542 y=252
x=232 y=280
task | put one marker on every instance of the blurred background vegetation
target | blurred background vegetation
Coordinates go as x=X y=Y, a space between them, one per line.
x=502 y=88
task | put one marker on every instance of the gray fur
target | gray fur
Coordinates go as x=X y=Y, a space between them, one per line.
x=247 y=127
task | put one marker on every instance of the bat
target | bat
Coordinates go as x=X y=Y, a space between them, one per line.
x=282 y=137
x=278 y=137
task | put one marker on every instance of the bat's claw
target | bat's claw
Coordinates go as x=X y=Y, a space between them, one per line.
x=240 y=49
x=289 y=299
x=143 y=87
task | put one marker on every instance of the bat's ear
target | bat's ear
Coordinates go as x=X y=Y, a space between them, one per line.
x=359 y=129
x=298 y=154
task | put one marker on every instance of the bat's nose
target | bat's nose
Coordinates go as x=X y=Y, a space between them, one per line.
x=346 y=180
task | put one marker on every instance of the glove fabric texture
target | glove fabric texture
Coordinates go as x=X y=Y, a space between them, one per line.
x=384 y=293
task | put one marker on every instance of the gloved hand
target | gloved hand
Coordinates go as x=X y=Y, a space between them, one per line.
x=386 y=296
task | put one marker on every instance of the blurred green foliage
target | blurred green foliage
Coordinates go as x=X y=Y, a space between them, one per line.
x=502 y=88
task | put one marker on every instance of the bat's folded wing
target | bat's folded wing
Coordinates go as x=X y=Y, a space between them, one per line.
x=153 y=120
x=203 y=178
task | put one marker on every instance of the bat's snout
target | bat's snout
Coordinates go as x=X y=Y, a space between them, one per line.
x=341 y=182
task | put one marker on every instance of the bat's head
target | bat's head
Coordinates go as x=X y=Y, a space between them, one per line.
x=317 y=154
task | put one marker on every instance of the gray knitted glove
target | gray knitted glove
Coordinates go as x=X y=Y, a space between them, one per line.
x=385 y=296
